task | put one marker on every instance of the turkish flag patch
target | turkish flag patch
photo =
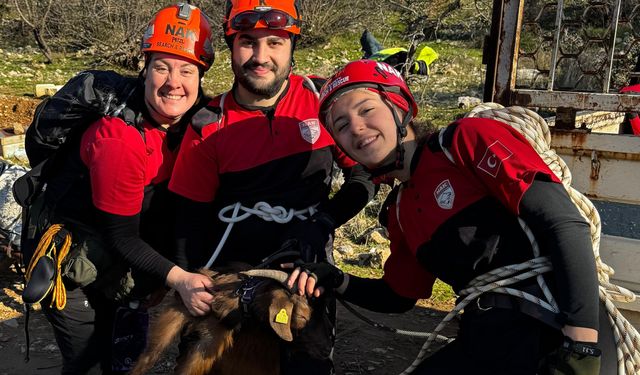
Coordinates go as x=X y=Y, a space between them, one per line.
x=493 y=157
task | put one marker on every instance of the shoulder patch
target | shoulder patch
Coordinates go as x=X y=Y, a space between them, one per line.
x=205 y=116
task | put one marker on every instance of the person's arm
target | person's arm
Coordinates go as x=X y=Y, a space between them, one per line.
x=311 y=236
x=504 y=163
x=354 y=194
x=122 y=235
x=565 y=236
x=372 y=294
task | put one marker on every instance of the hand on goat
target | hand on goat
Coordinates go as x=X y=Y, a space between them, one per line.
x=193 y=289
x=314 y=278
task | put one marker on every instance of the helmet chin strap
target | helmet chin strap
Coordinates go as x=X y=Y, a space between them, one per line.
x=401 y=133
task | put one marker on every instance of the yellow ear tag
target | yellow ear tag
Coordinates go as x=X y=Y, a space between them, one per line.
x=282 y=317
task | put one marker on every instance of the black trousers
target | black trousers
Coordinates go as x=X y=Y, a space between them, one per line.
x=493 y=342
x=506 y=342
x=83 y=332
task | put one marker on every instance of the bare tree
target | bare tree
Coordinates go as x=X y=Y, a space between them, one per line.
x=35 y=14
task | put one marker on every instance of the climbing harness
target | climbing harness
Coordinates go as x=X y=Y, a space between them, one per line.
x=264 y=211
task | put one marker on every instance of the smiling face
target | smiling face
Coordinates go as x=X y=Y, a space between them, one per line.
x=170 y=87
x=261 y=61
x=364 y=127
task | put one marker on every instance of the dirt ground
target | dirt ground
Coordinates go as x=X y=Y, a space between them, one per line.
x=16 y=112
x=360 y=348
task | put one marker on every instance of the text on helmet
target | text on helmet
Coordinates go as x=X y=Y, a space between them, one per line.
x=179 y=31
x=389 y=69
x=332 y=85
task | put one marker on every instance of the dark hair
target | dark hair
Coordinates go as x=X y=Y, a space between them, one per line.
x=423 y=129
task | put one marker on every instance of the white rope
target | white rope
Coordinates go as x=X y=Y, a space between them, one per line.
x=262 y=210
x=494 y=281
x=536 y=131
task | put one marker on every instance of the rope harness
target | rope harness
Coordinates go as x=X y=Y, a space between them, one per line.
x=536 y=131
x=262 y=210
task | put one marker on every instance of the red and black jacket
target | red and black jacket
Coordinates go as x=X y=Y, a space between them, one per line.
x=280 y=155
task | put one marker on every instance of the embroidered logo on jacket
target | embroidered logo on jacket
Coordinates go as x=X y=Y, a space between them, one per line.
x=310 y=130
x=493 y=157
x=444 y=195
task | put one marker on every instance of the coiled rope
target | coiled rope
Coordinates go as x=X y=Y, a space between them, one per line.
x=536 y=131
x=47 y=248
x=264 y=211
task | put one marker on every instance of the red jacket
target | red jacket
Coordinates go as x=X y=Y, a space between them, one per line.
x=634 y=120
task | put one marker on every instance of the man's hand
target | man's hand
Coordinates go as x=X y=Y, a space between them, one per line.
x=311 y=236
x=193 y=289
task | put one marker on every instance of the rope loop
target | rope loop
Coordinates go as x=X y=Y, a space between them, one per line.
x=262 y=210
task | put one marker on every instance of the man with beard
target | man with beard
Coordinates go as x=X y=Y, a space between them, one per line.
x=257 y=177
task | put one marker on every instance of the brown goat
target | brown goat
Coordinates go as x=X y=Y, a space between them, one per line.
x=228 y=342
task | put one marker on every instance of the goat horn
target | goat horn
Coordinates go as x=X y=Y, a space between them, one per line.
x=277 y=275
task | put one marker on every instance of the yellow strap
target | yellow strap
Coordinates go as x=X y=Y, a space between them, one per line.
x=47 y=246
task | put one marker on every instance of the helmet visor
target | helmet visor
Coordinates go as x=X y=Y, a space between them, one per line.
x=274 y=19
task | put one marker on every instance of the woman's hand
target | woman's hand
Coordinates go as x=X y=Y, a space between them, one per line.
x=193 y=289
x=313 y=278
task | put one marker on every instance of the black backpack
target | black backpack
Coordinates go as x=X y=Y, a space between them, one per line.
x=57 y=126
x=61 y=119
x=83 y=100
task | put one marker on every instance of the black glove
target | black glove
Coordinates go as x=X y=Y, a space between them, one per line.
x=572 y=357
x=327 y=275
x=311 y=236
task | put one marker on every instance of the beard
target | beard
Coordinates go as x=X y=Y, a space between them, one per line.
x=258 y=86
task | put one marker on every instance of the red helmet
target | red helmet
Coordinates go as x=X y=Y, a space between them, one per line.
x=182 y=30
x=262 y=14
x=379 y=76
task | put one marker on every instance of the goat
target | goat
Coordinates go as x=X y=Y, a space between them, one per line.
x=230 y=342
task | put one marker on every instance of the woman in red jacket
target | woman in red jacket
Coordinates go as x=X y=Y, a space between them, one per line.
x=471 y=198
x=112 y=195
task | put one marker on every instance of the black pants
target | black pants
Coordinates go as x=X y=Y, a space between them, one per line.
x=507 y=342
x=83 y=331
x=493 y=342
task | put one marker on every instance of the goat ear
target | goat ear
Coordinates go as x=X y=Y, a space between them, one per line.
x=280 y=317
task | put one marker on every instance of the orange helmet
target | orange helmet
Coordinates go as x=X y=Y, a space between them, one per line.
x=182 y=30
x=262 y=14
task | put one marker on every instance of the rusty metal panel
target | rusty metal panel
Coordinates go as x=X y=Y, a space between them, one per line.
x=576 y=100
x=603 y=166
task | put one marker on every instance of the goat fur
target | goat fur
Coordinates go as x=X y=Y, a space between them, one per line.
x=251 y=347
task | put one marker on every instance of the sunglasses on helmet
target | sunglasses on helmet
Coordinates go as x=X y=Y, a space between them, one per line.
x=275 y=19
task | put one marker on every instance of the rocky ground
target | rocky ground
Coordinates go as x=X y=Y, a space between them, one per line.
x=16 y=112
